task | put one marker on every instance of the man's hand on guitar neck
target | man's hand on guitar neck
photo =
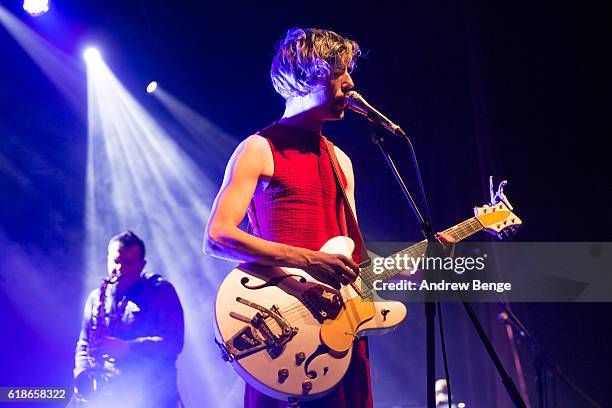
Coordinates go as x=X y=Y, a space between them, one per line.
x=448 y=243
x=445 y=238
x=333 y=269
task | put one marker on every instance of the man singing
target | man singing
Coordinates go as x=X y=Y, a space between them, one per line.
x=131 y=335
x=282 y=177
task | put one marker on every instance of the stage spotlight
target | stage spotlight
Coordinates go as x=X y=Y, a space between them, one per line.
x=152 y=87
x=91 y=54
x=36 y=7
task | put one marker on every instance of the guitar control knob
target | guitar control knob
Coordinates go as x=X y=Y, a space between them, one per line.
x=283 y=373
x=306 y=387
x=299 y=358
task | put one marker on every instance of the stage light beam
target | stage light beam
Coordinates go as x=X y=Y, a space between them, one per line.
x=63 y=70
x=152 y=87
x=201 y=136
x=36 y=7
x=140 y=177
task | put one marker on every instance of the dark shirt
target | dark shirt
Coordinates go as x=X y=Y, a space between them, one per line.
x=150 y=316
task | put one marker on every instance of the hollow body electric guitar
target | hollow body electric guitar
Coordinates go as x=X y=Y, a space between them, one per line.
x=291 y=336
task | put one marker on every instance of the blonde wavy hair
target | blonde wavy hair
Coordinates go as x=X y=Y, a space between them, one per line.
x=306 y=57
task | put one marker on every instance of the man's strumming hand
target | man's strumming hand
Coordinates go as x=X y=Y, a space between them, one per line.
x=333 y=269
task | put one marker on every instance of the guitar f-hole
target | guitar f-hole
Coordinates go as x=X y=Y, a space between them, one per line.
x=322 y=349
x=272 y=282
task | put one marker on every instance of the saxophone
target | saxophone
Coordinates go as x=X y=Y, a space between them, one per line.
x=101 y=369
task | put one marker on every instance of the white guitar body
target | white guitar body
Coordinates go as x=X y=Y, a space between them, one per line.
x=291 y=346
x=326 y=343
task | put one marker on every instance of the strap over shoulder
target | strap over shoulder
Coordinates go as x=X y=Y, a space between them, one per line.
x=360 y=255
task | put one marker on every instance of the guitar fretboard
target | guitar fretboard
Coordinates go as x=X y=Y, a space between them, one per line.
x=459 y=232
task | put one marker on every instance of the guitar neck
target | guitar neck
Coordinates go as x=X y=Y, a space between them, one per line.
x=458 y=232
x=465 y=229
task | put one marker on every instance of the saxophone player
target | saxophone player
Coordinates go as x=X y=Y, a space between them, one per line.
x=131 y=335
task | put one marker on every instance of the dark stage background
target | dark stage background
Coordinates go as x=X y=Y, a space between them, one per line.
x=519 y=90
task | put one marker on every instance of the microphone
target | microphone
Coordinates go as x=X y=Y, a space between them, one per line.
x=356 y=103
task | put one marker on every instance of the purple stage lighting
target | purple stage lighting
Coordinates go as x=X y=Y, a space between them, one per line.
x=36 y=7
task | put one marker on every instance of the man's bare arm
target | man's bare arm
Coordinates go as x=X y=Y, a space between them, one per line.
x=249 y=164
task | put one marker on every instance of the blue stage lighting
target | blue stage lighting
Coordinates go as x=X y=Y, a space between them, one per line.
x=36 y=7
x=152 y=87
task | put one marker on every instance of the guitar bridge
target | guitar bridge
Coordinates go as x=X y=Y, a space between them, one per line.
x=266 y=330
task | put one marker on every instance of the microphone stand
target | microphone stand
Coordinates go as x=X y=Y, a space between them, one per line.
x=430 y=298
x=541 y=363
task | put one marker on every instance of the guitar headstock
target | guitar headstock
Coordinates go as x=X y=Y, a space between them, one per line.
x=497 y=217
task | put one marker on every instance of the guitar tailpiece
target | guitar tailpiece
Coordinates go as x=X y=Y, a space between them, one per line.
x=258 y=334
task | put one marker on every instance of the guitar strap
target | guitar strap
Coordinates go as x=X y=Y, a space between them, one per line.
x=347 y=216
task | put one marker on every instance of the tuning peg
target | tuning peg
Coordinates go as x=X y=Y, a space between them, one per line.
x=509 y=232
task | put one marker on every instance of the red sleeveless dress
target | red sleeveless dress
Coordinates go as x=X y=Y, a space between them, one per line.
x=301 y=207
